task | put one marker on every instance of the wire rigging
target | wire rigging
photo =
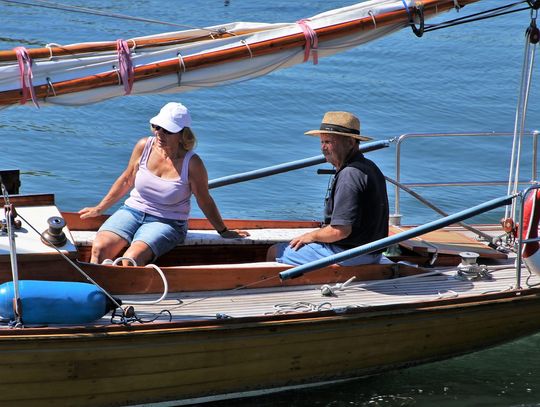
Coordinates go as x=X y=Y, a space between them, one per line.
x=482 y=15
x=85 y=10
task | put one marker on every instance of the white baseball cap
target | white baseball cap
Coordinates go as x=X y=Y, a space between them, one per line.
x=172 y=117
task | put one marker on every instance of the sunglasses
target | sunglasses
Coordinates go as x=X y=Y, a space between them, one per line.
x=165 y=131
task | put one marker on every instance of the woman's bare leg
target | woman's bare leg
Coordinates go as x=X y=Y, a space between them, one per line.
x=107 y=245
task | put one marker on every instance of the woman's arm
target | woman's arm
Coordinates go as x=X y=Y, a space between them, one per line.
x=120 y=187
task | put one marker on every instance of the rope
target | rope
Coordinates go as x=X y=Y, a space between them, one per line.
x=419 y=11
x=49 y=47
x=482 y=15
x=328 y=290
x=84 y=10
x=248 y=48
x=25 y=70
x=125 y=65
x=301 y=306
x=312 y=41
x=165 y=288
x=370 y=13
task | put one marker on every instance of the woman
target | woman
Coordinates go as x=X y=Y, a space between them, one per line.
x=162 y=173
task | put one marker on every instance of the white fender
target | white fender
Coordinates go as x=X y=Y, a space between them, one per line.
x=531 y=216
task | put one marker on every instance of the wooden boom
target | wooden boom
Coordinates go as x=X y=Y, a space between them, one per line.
x=213 y=58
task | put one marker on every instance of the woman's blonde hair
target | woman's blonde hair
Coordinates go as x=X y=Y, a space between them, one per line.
x=189 y=140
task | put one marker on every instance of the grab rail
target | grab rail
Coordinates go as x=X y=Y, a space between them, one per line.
x=401 y=139
x=293 y=165
x=397 y=238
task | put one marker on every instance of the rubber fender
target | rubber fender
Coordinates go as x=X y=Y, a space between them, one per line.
x=55 y=302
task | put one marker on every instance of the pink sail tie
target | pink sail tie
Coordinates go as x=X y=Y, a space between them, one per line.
x=25 y=71
x=312 y=41
x=125 y=66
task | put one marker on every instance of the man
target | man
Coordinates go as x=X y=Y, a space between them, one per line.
x=356 y=209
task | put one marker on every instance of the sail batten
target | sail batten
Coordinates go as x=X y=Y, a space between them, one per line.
x=191 y=59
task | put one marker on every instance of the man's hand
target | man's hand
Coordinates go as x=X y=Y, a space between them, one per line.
x=301 y=240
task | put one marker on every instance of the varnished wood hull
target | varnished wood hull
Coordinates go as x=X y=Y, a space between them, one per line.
x=119 y=365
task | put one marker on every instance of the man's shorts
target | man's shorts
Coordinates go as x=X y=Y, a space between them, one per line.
x=160 y=234
x=316 y=251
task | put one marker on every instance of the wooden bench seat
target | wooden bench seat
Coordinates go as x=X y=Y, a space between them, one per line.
x=211 y=237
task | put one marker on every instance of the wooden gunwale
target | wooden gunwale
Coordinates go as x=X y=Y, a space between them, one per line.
x=31 y=200
x=375 y=311
x=233 y=54
x=74 y=222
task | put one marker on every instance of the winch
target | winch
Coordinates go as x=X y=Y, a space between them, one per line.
x=469 y=269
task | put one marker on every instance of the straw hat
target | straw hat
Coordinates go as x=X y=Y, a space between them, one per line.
x=342 y=123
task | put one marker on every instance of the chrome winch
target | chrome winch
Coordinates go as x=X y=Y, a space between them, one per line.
x=469 y=269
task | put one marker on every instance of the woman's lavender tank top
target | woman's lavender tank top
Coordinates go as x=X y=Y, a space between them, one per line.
x=161 y=197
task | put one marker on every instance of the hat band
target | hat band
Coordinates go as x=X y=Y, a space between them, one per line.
x=341 y=129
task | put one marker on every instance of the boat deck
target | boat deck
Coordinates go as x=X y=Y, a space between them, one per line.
x=245 y=302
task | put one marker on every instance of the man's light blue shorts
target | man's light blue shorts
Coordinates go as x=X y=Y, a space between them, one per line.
x=316 y=251
x=160 y=234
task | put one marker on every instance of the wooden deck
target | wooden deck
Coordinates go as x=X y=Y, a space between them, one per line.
x=253 y=302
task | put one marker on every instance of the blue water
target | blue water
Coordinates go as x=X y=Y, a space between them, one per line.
x=459 y=79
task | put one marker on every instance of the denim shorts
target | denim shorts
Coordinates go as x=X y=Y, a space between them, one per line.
x=160 y=234
x=316 y=251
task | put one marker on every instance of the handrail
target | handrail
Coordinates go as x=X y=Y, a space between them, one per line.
x=399 y=237
x=404 y=137
x=285 y=167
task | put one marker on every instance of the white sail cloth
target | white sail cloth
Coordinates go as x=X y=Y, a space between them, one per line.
x=59 y=69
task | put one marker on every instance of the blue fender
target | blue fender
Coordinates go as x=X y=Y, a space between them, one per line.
x=55 y=302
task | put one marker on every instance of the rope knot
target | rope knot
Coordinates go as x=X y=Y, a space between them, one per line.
x=312 y=41
x=25 y=71
x=125 y=65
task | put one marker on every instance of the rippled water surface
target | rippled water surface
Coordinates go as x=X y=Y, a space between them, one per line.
x=460 y=79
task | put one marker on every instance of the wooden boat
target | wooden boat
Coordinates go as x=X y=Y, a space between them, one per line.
x=232 y=324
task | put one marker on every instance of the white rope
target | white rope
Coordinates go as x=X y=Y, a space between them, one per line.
x=165 y=288
x=370 y=13
x=49 y=47
x=301 y=306
x=181 y=61
x=128 y=259
x=447 y=294
x=249 y=49
x=327 y=290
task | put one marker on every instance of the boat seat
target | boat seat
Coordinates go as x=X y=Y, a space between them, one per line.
x=211 y=237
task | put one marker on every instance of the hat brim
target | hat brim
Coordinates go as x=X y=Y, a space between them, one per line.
x=166 y=124
x=319 y=132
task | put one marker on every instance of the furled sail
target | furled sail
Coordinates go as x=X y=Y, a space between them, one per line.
x=187 y=60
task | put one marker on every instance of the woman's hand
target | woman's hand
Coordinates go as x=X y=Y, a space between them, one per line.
x=90 y=212
x=233 y=234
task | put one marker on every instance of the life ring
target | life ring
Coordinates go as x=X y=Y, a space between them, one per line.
x=531 y=217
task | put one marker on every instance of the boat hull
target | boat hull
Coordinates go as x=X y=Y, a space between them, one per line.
x=123 y=365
